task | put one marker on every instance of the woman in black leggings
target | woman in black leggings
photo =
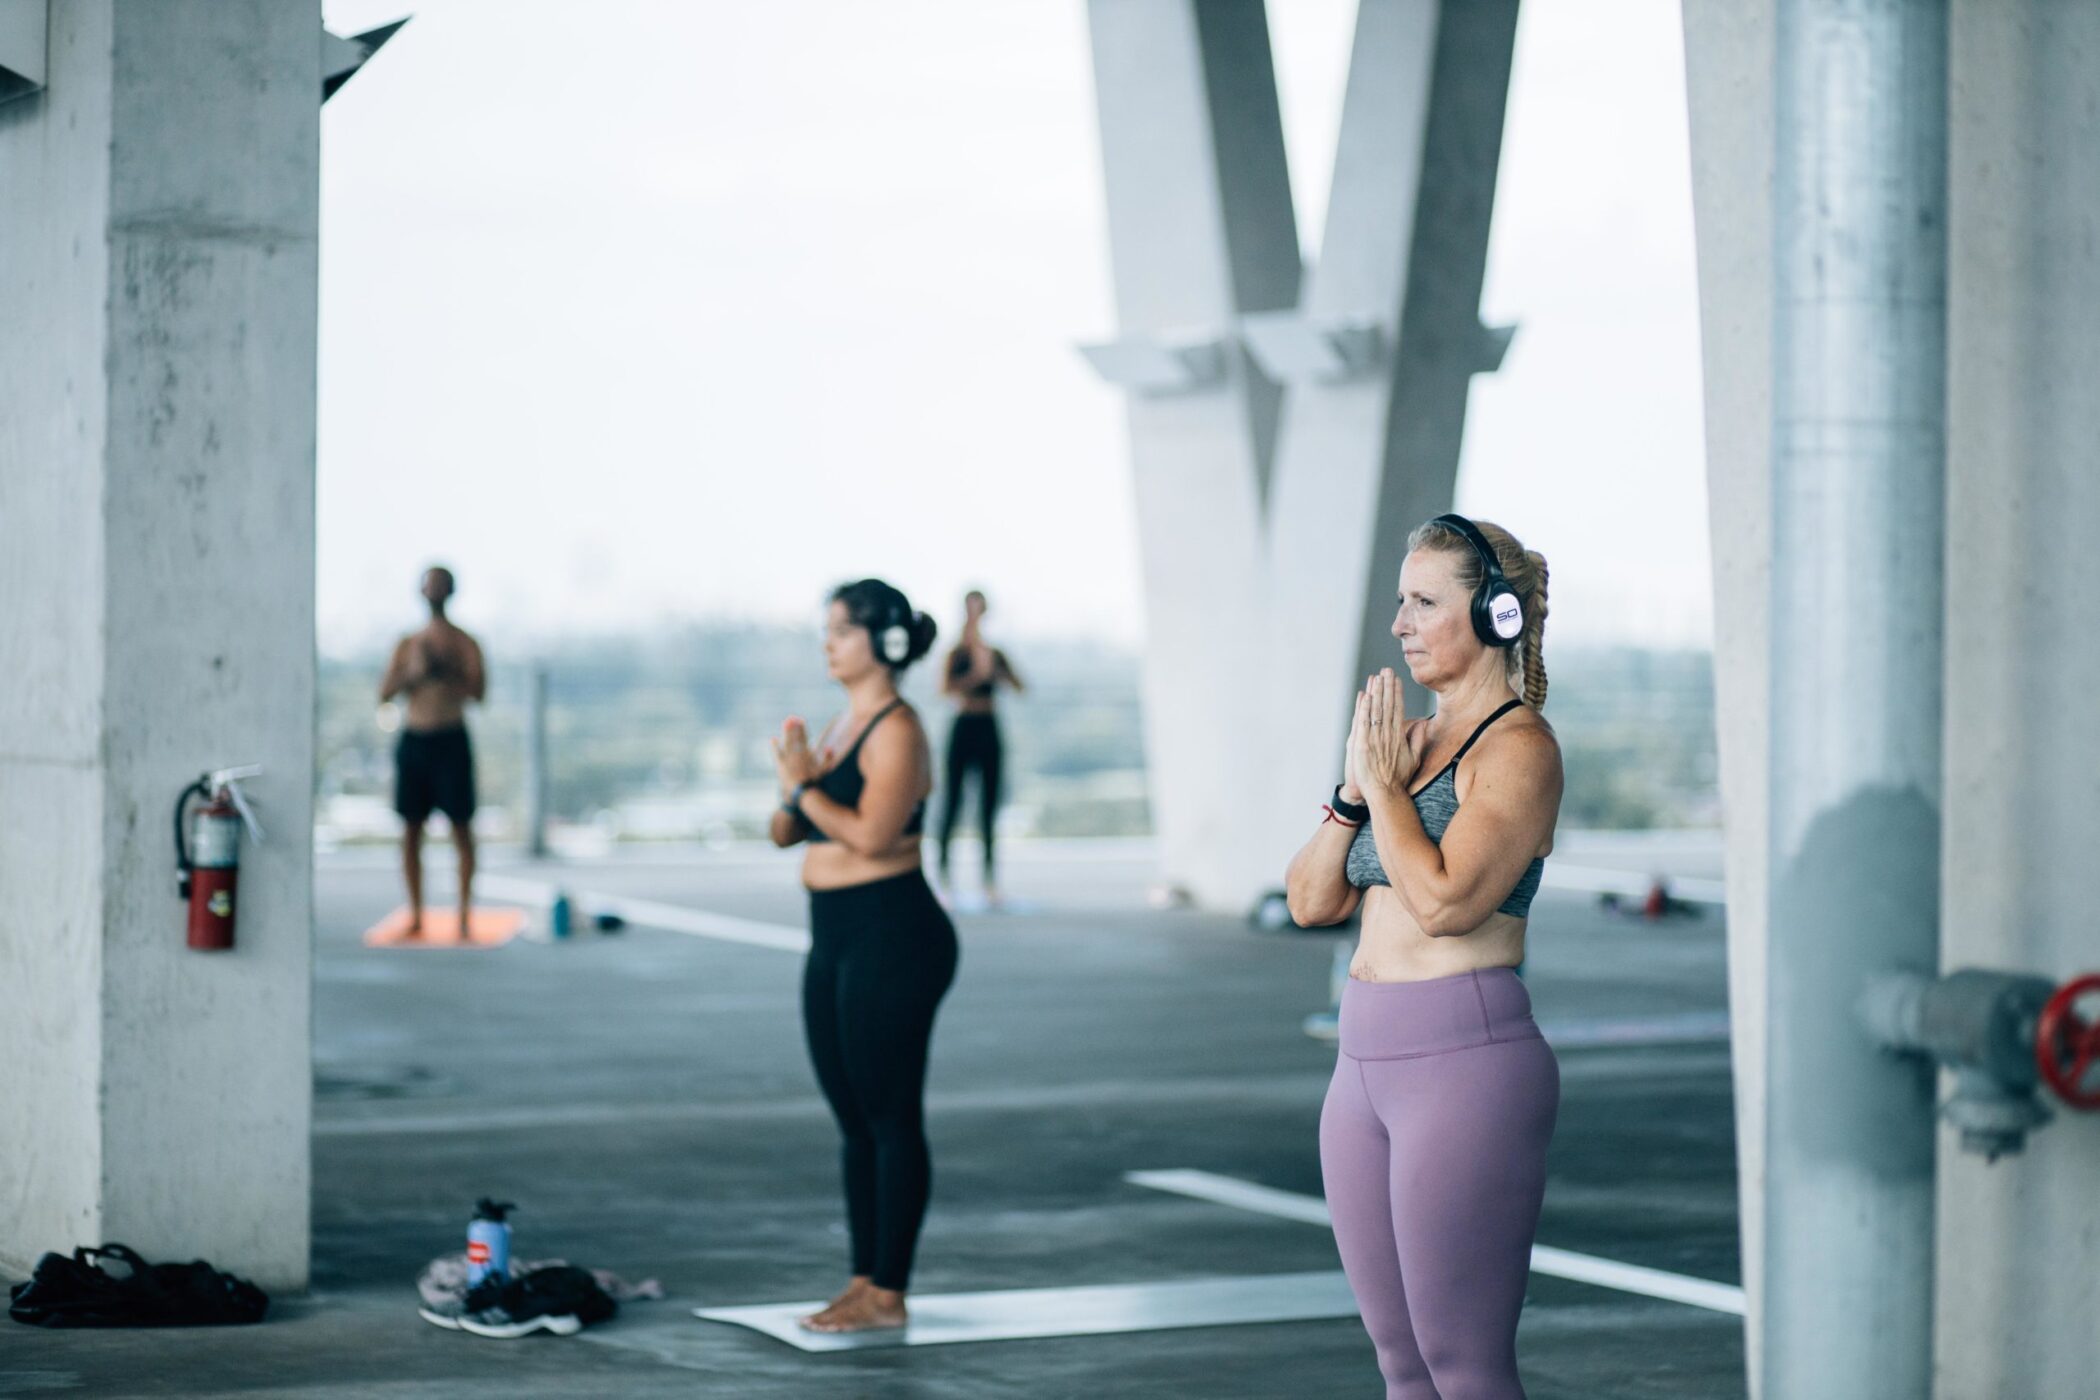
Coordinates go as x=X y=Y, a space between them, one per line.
x=882 y=951
x=972 y=678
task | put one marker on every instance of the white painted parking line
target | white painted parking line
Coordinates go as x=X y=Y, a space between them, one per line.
x=1226 y=1191
x=1089 y=1311
x=1633 y=1278
x=1559 y=1263
x=649 y=913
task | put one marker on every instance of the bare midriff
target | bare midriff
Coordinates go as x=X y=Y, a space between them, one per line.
x=830 y=866
x=1393 y=948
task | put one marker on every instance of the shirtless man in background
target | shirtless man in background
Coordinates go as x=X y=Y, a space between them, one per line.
x=439 y=669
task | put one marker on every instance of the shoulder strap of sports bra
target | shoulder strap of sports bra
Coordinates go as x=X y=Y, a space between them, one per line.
x=869 y=727
x=1482 y=729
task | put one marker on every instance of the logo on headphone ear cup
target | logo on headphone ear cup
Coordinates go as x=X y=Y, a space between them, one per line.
x=1505 y=615
x=895 y=643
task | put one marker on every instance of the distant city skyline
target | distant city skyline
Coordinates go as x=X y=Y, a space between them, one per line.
x=685 y=311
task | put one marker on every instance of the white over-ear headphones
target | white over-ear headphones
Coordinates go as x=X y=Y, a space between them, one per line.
x=894 y=642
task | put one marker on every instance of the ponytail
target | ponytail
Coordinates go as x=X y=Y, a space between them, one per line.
x=1531 y=643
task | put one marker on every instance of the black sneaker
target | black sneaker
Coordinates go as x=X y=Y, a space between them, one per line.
x=447 y=1313
x=496 y=1322
x=560 y=1299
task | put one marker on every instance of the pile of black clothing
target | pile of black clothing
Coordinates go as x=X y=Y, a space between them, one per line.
x=76 y=1290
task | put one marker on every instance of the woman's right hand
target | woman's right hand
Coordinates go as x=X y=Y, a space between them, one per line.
x=791 y=756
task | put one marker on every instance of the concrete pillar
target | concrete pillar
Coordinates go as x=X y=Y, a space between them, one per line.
x=2019 y=1240
x=1200 y=222
x=1366 y=458
x=23 y=27
x=536 y=761
x=157 y=294
x=1270 y=575
x=1728 y=77
x=1859 y=342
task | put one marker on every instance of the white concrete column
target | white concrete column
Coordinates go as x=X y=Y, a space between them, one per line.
x=157 y=318
x=2019 y=1240
x=1270 y=577
x=1365 y=459
x=1859 y=338
x=1201 y=226
x=1728 y=76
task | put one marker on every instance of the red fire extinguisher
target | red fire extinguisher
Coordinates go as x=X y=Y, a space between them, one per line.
x=208 y=866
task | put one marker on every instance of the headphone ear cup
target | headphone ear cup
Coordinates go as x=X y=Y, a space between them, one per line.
x=896 y=644
x=1504 y=616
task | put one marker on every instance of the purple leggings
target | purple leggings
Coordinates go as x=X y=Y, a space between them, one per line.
x=1433 y=1147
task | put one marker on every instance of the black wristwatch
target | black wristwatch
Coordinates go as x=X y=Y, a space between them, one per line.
x=792 y=803
x=1358 y=812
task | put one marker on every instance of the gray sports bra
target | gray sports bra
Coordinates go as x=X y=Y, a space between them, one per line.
x=1436 y=802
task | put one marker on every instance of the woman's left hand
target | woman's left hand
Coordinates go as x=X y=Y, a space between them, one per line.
x=1385 y=754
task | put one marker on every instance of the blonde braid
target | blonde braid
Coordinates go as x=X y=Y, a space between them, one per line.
x=1531 y=645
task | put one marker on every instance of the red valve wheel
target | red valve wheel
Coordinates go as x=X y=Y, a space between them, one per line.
x=2066 y=1045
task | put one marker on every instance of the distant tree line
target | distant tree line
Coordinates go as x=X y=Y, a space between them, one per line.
x=677 y=710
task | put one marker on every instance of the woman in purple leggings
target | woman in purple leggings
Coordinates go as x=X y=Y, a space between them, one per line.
x=1433 y=1138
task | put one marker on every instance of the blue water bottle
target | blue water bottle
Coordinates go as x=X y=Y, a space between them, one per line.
x=561 y=916
x=488 y=1241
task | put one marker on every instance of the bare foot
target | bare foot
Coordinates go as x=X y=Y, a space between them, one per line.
x=853 y=1287
x=871 y=1309
x=852 y=1290
x=415 y=927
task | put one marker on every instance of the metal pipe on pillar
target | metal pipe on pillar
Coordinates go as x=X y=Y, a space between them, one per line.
x=536 y=763
x=1858 y=467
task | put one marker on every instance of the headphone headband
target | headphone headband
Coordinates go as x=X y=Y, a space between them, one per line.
x=1491 y=566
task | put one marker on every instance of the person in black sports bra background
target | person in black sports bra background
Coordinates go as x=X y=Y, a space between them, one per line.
x=974 y=672
x=882 y=951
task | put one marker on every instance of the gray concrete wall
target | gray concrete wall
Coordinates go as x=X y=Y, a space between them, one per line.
x=2019 y=1241
x=54 y=275
x=157 y=426
x=1728 y=74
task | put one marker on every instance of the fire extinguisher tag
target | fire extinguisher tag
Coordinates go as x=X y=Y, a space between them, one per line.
x=217 y=842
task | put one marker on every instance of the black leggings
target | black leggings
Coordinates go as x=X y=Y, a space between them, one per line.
x=881 y=957
x=972 y=743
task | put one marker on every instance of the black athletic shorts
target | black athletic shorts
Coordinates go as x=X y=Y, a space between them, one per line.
x=434 y=771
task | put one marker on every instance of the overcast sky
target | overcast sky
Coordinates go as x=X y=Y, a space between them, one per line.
x=654 y=309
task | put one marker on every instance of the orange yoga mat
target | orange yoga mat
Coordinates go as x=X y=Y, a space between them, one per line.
x=488 y=928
